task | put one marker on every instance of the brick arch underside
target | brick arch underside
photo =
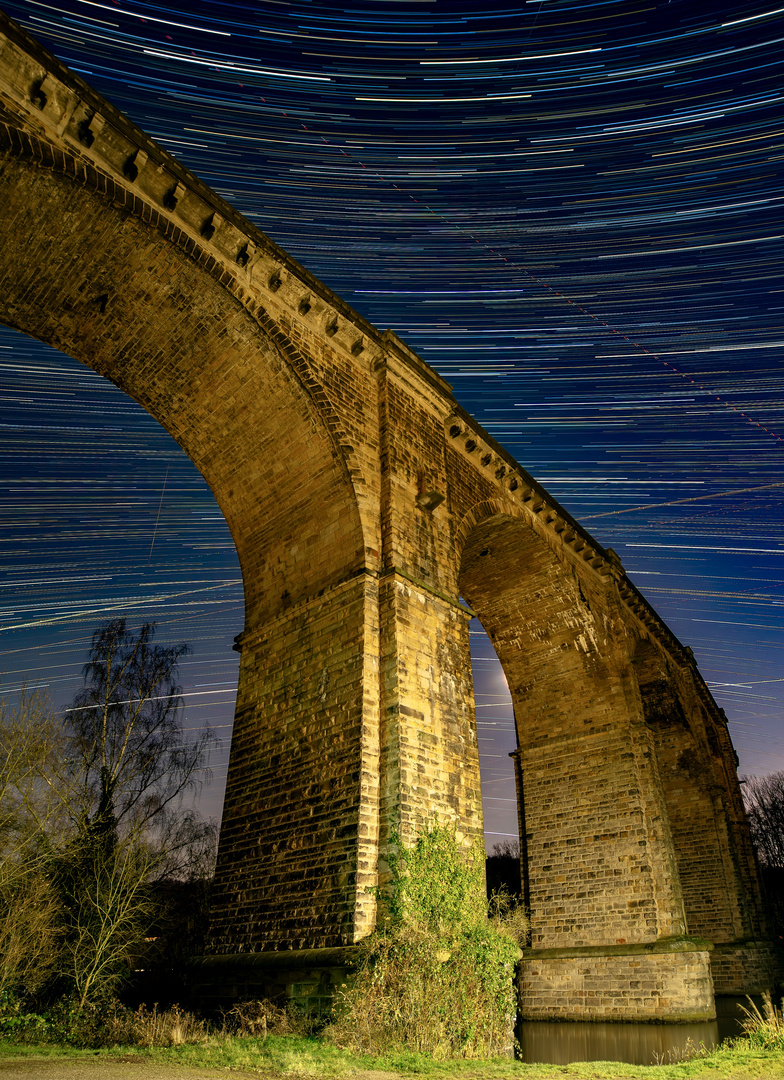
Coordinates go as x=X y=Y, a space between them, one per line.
x=594 y=839
x=103 y=286
x=697 y=789
x=533 y=608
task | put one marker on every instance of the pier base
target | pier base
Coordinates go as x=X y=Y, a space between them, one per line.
x=745 y=967
x=305 y=978
x=667 y=981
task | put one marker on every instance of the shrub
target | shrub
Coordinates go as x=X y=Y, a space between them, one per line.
x=107 y=1024
x=437 y=975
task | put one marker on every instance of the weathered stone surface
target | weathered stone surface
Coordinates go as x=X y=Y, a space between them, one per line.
x=364 y=503
x=669 y=981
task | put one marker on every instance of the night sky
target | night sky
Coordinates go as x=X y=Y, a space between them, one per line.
x=573 y=211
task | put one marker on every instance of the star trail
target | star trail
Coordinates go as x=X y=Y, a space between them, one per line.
x=572 y=211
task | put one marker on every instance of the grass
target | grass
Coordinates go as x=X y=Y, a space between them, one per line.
x=297 y=1057
x=258 y=1039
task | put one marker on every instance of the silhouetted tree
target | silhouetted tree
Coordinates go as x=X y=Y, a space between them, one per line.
x=128 y=764
x=128 y=757
x=502 y=869
x=764 y=798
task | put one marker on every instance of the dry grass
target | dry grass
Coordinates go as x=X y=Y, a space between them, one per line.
x=764 y=1028
x=172 y=1027
x=257 y=1019
x=690 y=1051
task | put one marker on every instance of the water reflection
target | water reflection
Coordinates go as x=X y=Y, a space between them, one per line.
x=636 y=1044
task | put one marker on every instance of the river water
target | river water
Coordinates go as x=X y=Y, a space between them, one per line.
x=638 y=1044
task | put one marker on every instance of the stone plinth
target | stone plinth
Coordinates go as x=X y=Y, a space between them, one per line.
x=745 y=967
x=307 y=979
x=667 y=981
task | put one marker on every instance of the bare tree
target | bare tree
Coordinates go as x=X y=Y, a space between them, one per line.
x=128 y=764
x=91 y=816
x=764 y=798
x=109 y=907
x=129 y=760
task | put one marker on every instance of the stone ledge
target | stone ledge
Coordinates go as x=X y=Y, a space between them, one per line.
x=663 y=945
x=745 y=943
x=284 y=958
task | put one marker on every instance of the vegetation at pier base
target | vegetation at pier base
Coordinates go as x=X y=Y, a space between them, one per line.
x=437 y=975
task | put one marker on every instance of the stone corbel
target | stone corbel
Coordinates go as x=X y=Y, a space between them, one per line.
x=89 y=128
x=246 y=254
x=134 y=164
x=173 y=196
x=211 y=226
x=41 y=90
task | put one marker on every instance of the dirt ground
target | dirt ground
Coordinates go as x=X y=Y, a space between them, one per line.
x=103 y=1068
x=94 y=1068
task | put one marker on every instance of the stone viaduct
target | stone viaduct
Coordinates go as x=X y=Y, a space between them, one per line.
x=364 y=504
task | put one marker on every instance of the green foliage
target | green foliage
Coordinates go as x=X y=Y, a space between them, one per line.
x=437 y=976
x=107 y=1024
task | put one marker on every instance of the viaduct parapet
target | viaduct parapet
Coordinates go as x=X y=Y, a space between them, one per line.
x=368 y=511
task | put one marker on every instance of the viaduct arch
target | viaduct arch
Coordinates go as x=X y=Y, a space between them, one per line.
x=364 y=502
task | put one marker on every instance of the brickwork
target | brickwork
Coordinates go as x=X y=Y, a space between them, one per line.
x=300 y=811
x=592 y=806
x=716 y=865
x=669 y=984
x=430 y=757
x=745 y=967
x=687 y=776
x=364 y=502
